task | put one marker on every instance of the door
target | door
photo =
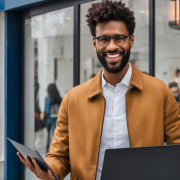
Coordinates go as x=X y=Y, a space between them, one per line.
x=48 y=70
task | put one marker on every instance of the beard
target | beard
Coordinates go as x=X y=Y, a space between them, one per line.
x=124 y=61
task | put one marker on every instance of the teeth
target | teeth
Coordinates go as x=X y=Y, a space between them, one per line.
x=113 y=56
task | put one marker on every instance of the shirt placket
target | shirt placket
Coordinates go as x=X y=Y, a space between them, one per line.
x=115 y=115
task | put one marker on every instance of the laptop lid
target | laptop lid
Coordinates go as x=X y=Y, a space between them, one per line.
x=143 y=163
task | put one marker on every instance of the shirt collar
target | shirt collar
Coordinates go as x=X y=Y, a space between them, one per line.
x=103 y=81
x=126 y=79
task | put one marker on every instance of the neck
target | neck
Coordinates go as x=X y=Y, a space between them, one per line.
x=115 y=78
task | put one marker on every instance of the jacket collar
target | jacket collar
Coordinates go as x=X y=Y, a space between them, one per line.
x=136 y=78
x=136 y=81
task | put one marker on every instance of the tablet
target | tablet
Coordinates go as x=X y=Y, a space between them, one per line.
x=25 y=151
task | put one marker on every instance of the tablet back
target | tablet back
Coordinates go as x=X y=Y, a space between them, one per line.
x=144 y=163
x=25 y=151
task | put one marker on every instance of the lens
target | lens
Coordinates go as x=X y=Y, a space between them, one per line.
x=103 y=41
x=119 y=40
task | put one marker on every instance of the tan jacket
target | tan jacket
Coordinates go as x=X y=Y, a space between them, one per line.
x=153 y=117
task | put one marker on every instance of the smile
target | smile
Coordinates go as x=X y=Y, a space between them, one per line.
x=114 y=55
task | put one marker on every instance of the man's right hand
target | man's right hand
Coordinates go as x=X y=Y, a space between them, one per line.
x=34 y=167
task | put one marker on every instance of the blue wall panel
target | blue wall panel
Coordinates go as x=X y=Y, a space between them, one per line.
x=12 y=73
x=2 y=2
x=9 y=4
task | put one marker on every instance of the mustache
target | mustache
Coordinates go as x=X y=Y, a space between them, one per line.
x=116 y=51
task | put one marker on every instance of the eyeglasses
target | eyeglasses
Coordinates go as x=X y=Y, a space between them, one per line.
x=119 y=39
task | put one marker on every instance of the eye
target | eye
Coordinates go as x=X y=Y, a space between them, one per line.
x=103 y=39
x=119 y=38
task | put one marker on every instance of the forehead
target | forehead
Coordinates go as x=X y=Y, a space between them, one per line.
x=111 y=28
x=174 y=89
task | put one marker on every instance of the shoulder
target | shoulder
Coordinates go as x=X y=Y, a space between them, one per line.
x=79 y=91
x=155 y=88
x=82 y=89
x=152 y=82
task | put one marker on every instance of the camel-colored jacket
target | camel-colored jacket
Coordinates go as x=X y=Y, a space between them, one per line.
x=153 y=117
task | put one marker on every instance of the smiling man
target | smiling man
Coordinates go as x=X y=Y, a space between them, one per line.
x=119 y=108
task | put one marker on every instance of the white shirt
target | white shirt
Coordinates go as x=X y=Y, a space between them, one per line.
x=114 y=132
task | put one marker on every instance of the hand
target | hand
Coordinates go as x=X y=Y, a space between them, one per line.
x=34 y=167
x=42 y=115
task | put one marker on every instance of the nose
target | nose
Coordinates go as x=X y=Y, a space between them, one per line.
x=112 y=45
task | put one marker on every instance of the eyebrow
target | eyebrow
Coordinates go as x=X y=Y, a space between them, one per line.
x=115 y=35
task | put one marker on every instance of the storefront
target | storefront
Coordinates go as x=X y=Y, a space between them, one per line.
x=49 y=42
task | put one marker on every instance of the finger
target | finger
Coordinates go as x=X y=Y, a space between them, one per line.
x=40 y=172
x=21 y=157
x=30 y=165
x=50 y=173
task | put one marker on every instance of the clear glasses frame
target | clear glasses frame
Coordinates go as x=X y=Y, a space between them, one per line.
x=109 y=38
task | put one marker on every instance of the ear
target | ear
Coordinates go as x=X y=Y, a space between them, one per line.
x=132 y=40
x=94 y=43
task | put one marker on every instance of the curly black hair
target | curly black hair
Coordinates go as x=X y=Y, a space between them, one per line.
x=110 y=10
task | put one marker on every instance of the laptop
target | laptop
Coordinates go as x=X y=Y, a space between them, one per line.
x=25 y=151
x=143 y=163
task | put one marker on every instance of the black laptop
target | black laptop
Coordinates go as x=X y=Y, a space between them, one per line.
x=144 y=163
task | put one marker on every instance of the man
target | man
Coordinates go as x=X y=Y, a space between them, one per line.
x=120 y=107
x=173 y=86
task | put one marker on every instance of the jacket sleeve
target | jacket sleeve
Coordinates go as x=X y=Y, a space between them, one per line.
x=171 y=118
x=58 y=156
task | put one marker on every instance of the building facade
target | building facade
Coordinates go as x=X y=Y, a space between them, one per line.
x=45 y=42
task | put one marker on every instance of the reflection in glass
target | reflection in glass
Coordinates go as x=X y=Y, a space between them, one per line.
x=49 y=55
x=90 y=64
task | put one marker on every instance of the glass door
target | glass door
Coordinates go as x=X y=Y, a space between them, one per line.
x=48 y=71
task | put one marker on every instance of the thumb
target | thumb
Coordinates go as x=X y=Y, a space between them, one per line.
x=49 y=172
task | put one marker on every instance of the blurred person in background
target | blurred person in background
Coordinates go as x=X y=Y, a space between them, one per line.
x=52 y=104
x=177 y=77
x=173 y=86
x=40 y=128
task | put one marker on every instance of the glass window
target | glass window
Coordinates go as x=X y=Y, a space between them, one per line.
x=48 y=75
x=167 y=53
x=89 y=63
x=167 y=67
